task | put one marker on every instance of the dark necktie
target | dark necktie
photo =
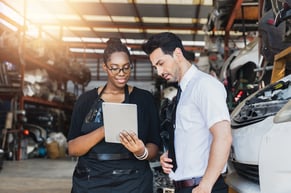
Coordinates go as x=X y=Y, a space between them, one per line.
x=171 y=153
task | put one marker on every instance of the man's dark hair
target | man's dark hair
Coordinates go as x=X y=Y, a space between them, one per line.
x=167 y=41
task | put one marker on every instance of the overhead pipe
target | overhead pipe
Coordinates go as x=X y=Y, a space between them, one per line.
x=228 y=27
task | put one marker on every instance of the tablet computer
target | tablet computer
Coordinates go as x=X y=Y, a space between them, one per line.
x=118 y=117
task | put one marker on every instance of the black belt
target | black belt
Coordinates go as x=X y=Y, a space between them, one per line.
x=187 y=183
x=109 y=156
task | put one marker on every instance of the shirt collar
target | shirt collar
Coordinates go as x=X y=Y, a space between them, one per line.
x=187 y=77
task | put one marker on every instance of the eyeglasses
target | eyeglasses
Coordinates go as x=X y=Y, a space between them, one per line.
x=115 y=70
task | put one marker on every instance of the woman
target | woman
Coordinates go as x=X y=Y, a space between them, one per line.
x=112 y=167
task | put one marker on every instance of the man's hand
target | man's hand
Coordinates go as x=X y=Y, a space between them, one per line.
x=166 y=163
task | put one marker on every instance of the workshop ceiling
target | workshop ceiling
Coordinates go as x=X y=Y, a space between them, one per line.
x=84 y=26
x=89 y=23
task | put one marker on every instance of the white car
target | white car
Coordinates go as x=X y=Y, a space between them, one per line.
x=260 y=158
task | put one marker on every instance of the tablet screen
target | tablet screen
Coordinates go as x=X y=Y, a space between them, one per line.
x=118 y=117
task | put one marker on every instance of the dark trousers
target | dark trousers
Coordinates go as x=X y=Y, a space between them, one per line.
x=219 y=187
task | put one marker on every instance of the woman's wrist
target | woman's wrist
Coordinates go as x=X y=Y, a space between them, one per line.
x=143 y=156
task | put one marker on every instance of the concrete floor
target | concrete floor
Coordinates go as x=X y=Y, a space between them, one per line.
x=37 y=176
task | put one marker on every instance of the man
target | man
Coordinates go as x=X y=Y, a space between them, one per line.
x=202 y=135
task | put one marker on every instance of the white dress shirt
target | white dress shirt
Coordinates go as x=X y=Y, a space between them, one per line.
x=202 y=104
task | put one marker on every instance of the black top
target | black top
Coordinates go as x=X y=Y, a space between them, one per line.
x=148 y=119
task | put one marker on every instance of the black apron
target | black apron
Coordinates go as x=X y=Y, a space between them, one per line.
x=96 y=172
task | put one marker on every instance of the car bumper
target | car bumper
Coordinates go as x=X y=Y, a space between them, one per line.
x=240 y=184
